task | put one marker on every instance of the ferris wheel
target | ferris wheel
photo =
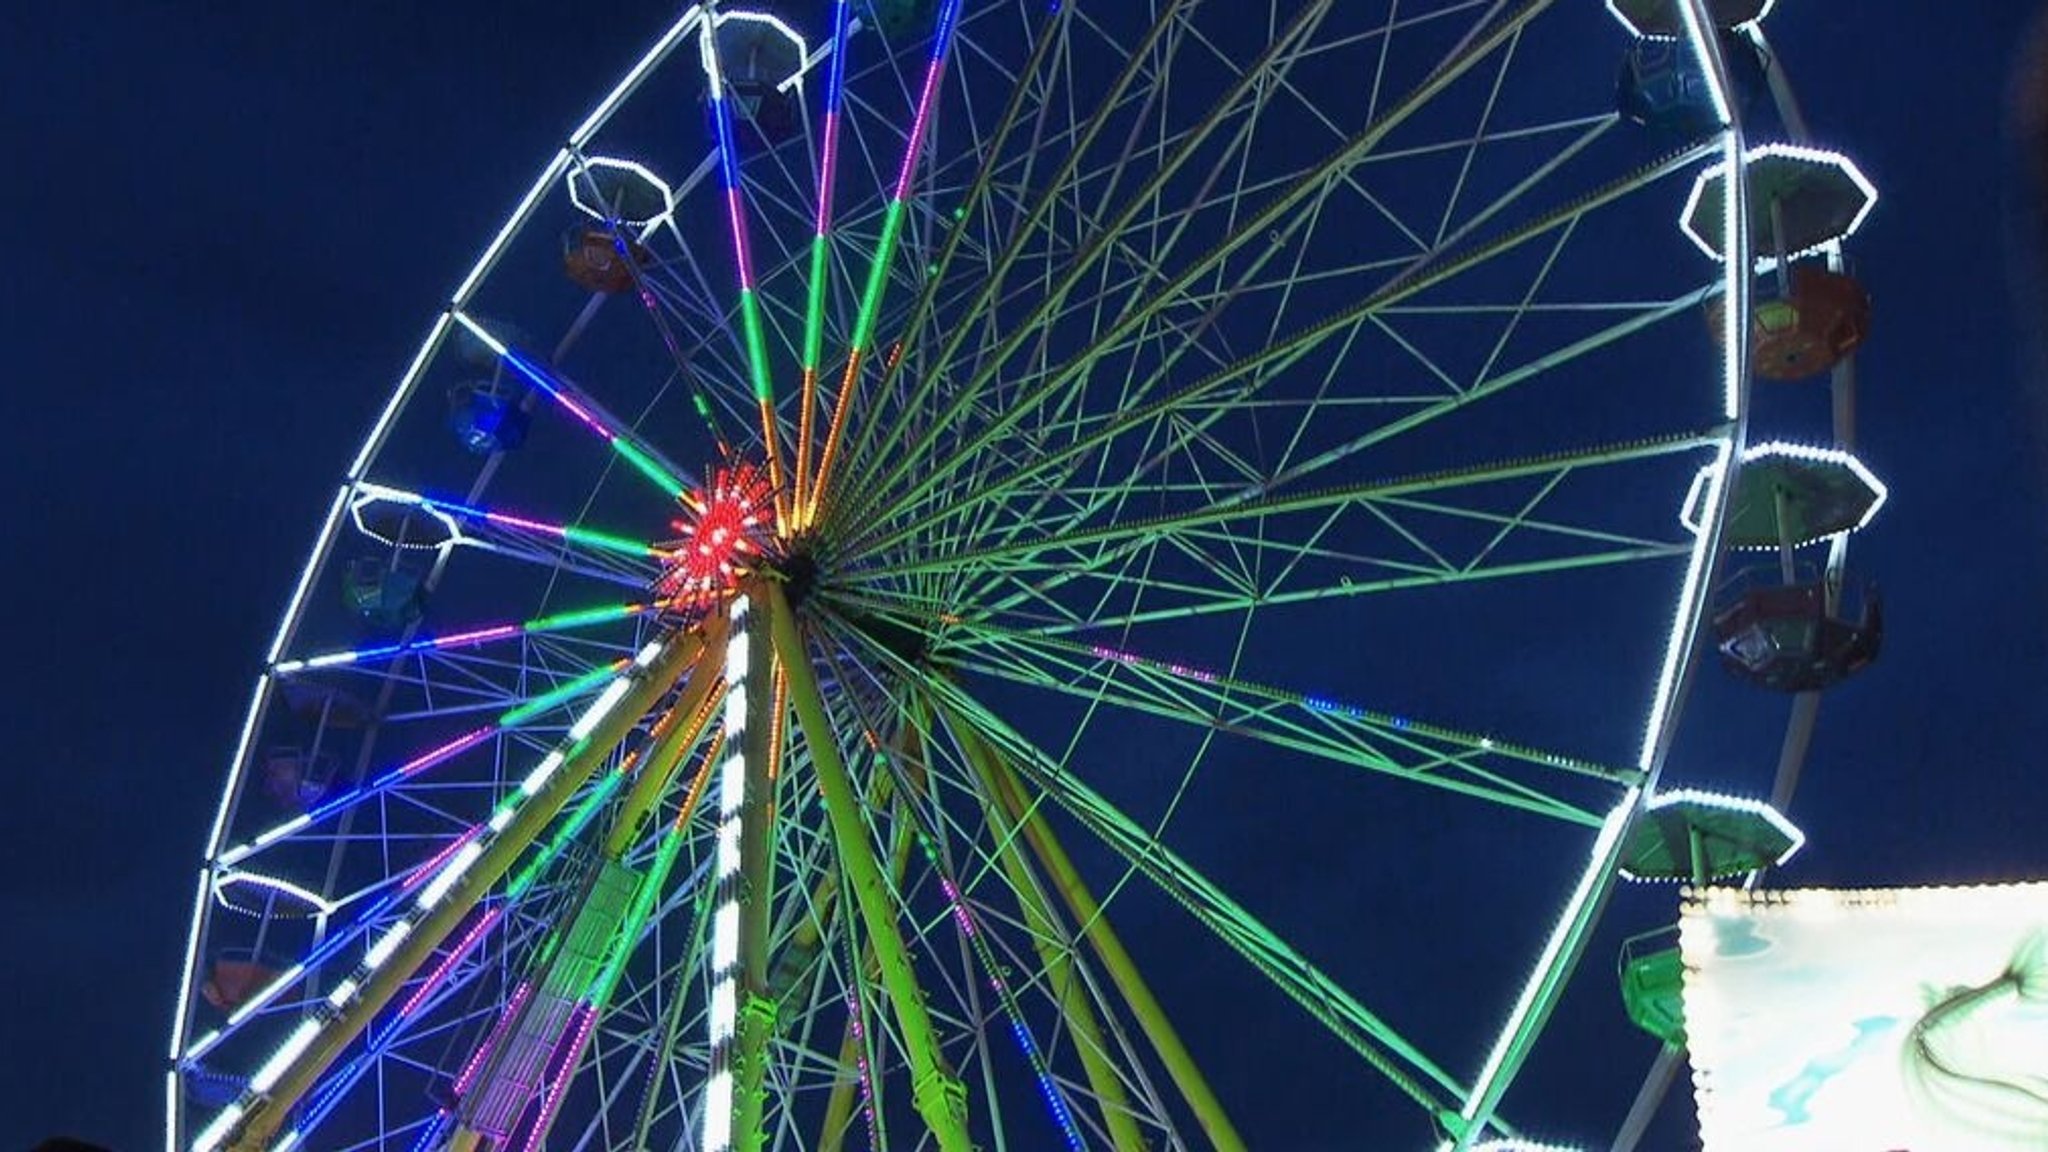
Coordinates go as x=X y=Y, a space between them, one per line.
x=983 y=573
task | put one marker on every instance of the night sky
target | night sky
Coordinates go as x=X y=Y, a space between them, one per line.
x=227 y=230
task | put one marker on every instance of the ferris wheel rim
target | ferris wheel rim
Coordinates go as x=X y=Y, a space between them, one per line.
x=563 y=161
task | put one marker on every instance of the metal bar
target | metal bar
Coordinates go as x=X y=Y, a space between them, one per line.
x=938 y=1094
x=1007 y=794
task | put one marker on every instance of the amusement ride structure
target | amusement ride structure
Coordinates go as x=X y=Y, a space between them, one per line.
x=1023 y=574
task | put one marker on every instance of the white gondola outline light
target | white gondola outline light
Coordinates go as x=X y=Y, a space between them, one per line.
x=1762 y=14
x=321 y=906
x=1726 y=803
x=1688 y=512
x=582 y=170
x=1824 y=156
x=708 y=36
x=369 y=494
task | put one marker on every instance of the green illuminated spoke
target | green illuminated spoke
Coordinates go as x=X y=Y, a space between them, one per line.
x=1081 y=547
x=969 y=391
x=1415 y=751
x=1274 y=213
x=1062 y=454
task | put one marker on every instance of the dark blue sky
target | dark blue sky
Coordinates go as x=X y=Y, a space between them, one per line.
x=226 y=231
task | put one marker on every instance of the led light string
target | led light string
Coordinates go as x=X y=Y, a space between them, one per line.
x=723 y=1017
x=474 y=637
x=513 y=718
x=885 y=252
x=970 y=933
x=743 y=257
x=581 y=409
x=814 y=306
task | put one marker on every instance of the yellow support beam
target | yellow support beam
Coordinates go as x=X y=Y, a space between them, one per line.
x=936 y=1092
x=1053 y=947
x=762 y=742
x=684 y=723
x=1102 y=939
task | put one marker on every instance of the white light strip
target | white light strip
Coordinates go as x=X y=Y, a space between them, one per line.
x=291 y=609
x=600 y=708
x=451 y=875
x=294 y=1046
x=386 y=945
x=221 y=883
x=260 y=1000
x=624 y=88
x=1703 y=55
x=1763 y=13
x=581 y=175
x=171 y=1110
x=725 y=939
x=290 y=1141
x=732 y=786
x=342 y=992
x=728 y=852
x=399 y=396
x=718 y=1112
x=210 y=1136
x=238 y=765
x=267 y=838
x=1694 y=502
x=725 y=921
x=1766 y=261
x=377 y=493
x=724 y=1010
x=482 y=267
x=1829 y=456
x=538 y=778
x=178 y=1021
x=803 y=50
x=1590 y=883
x=1722 y=800
x=1679 y=641
x=707 y=57
x=483 y=334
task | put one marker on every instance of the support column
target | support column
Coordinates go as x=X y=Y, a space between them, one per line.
x=939 y=1096
x=742 y=1013
x=1005 y=791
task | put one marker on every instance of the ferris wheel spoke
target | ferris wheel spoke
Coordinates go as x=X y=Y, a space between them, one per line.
x=1415 y=751
x=264 y=1108
x=821 y=243
x=666 y=477
x=1215 y=396
x=1028 y=223
x=1275 y=214
x=981 y=931
x=1086 y=548
x=470 y=637
x=944 y=31
x=1278 y=54
x=924 y=767
x=1374 y=1041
